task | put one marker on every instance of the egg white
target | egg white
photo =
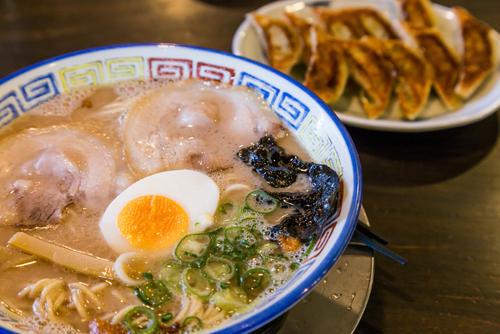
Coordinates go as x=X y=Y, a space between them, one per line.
x=194 y=191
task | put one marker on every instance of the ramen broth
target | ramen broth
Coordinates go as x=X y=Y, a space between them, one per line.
x=101 y=113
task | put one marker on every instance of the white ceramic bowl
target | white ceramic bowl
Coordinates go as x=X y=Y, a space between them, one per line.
x=315 y=125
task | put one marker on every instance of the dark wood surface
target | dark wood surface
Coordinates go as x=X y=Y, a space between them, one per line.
x=436 y=196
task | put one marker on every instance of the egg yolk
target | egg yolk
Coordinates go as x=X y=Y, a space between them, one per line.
x=152 y=222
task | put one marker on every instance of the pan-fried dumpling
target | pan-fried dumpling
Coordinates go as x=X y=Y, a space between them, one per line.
x=479 y=58
x=303 y=27
x=373 y=73
x=327 y=72
x=284 y=45
x=339 y=27
x=444 y=63
x=354 y=23
x=376 y=24
x=418 y=14
x=413 y=76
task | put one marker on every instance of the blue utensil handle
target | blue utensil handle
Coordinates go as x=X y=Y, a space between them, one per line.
x=377 y=247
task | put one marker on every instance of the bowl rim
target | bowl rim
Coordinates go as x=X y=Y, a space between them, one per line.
x=287 y=301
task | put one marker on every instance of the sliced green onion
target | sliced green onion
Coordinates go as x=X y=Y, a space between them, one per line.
x=240 y=270
x=171 y=275
x=255 y=281
x=268 y=249
x=278 y=265
x=130 y=321
x=147 y=276
x=253 y=224
x=225 y=208
x=246 y=213
x=219 y=269
x=166 y=317
x=215 y=232
x=154 y=293
x=230 y=299
x=196 y=282
x=232 y=233
x=309 y=249
x=192 y=323
x=218 y=245
x=232 y=199
x=240 y=237
x=193 y=247
x=262 y=202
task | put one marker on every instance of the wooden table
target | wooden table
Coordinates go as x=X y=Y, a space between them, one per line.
x=436 y=196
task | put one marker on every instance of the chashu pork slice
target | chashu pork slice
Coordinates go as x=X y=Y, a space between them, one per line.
x=44 y=170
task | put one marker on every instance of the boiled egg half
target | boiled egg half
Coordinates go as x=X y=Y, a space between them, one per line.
x=154 y=213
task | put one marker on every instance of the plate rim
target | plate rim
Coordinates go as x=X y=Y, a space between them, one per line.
x=426 y=125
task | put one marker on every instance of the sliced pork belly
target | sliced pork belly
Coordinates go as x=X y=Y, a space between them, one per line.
x=44 y=170
x=190 y=124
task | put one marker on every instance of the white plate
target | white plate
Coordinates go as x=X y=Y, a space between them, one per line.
x=435 y=117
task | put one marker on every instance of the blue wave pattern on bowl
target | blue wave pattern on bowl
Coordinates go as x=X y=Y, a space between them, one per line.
x=29 y=87
x=44 y=87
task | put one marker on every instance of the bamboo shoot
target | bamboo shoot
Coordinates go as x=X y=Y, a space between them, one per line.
x=64 y=256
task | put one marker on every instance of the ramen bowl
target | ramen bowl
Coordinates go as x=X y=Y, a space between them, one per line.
x=312 y=122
